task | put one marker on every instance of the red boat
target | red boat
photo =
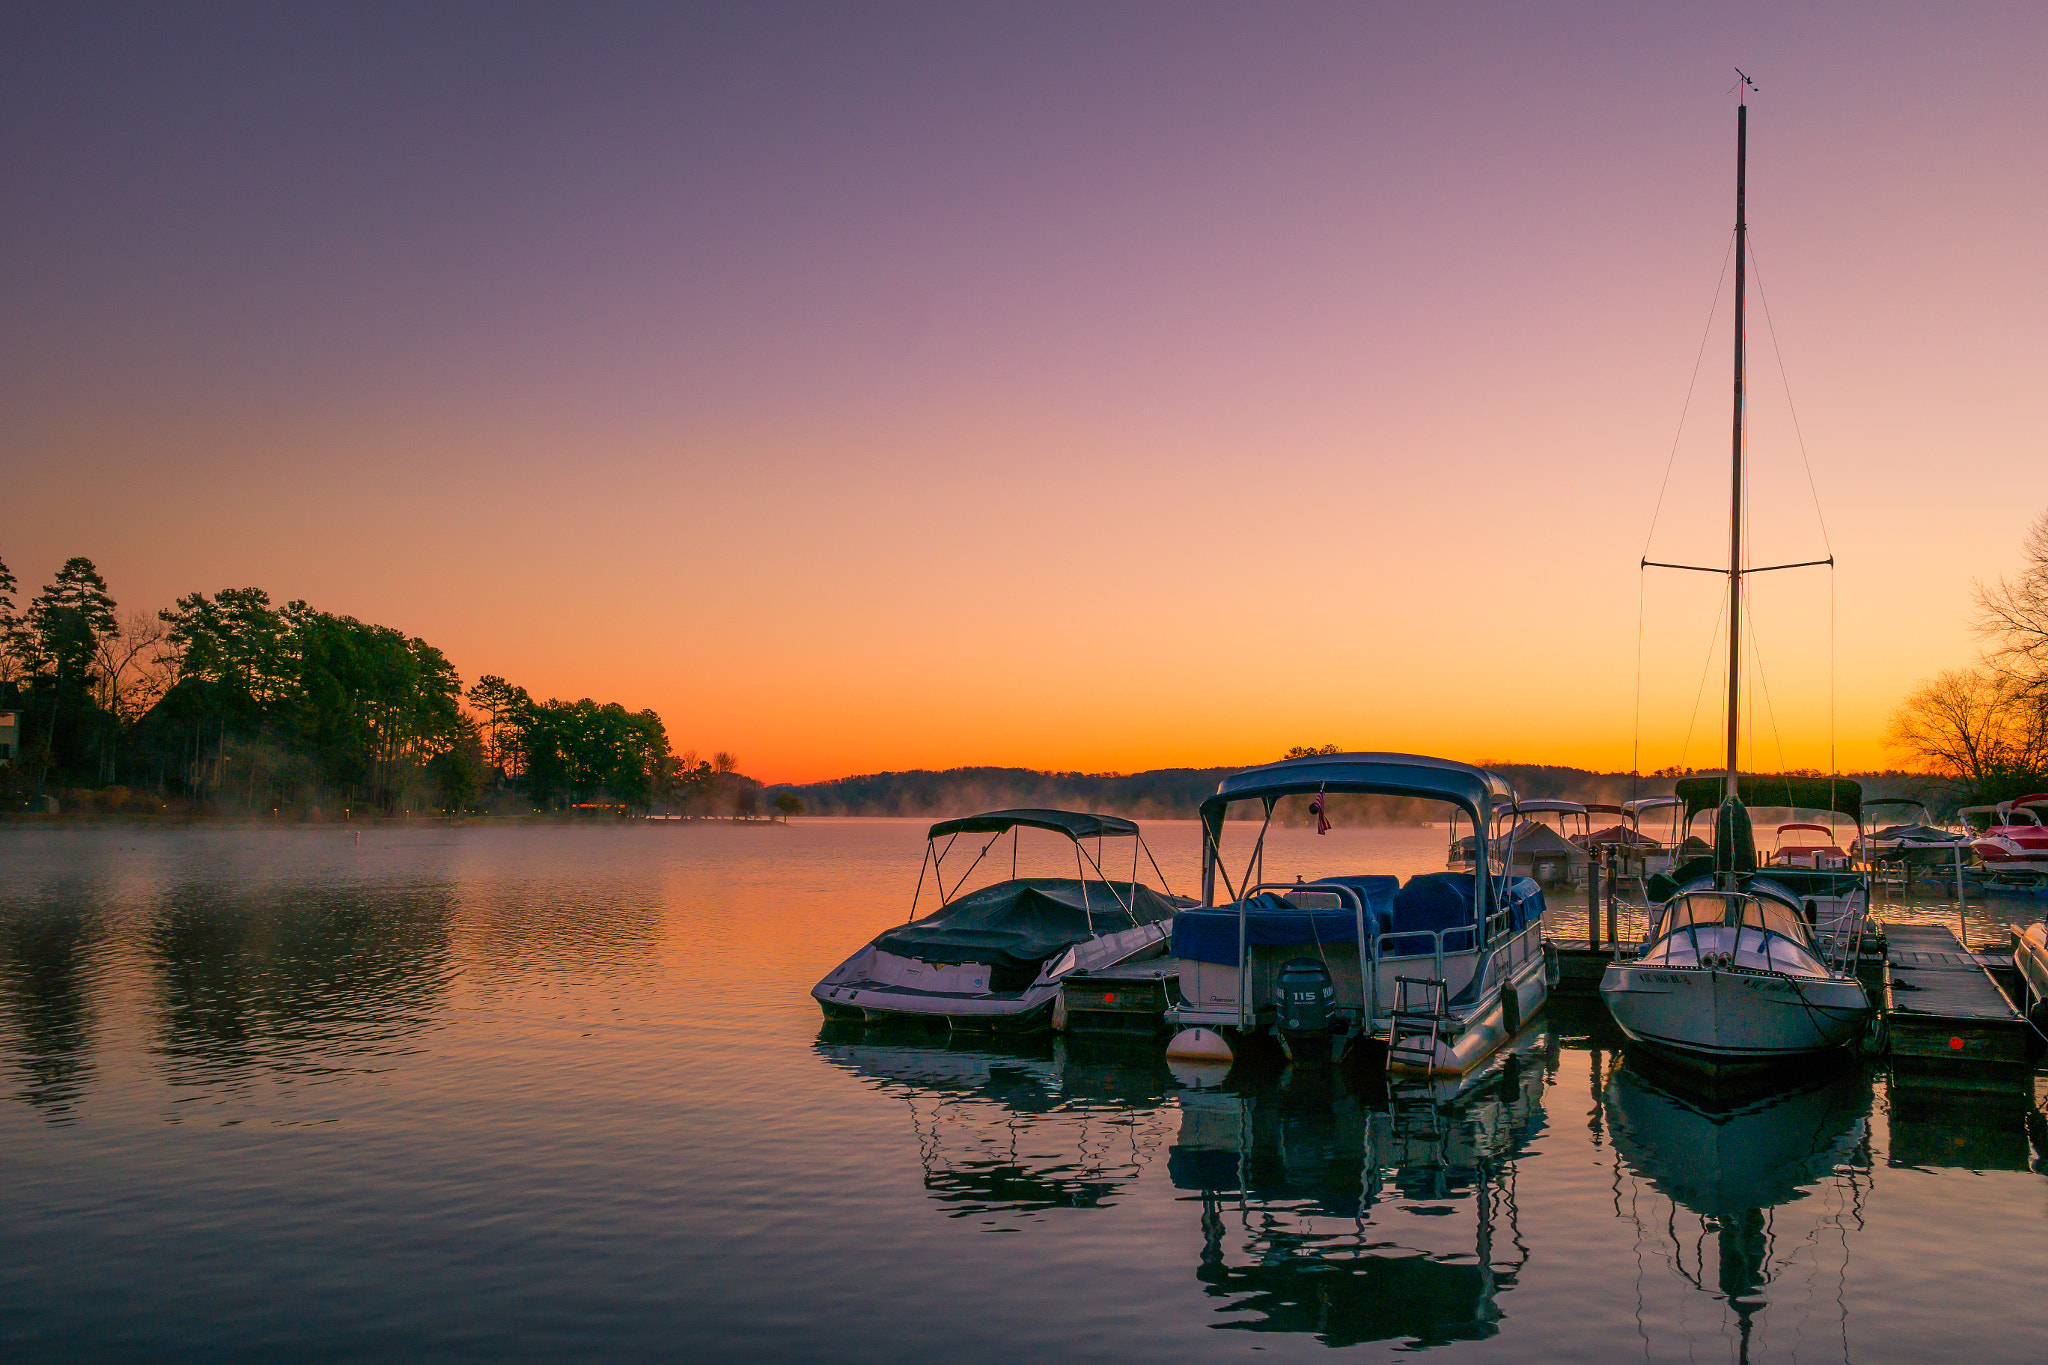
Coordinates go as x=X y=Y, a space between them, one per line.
x=2016 y=839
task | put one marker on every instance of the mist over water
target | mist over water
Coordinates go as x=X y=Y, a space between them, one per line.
x=547 y=1092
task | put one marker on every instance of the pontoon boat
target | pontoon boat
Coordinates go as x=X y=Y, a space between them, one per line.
x=1442 y=969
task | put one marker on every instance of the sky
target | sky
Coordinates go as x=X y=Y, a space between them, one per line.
x=1083 y=387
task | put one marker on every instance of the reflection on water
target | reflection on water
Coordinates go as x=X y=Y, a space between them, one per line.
x=1334 y=1206
x=45 y=974
x=1039 y=1125
x=560 y=1092
x=322 y=983
x=1329 y=1204
x=1725 y=1165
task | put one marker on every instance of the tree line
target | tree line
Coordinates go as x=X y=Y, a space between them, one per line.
x=1176 y=793
x=1984 y=728
x=233 y=702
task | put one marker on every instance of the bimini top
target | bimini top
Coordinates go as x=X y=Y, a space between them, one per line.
x=1075 y=824
x=1548 y=806
x=1839 y=794
x=1475 y=789
x=1648 y=804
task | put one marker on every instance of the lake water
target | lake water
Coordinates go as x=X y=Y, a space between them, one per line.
x=470 y=1093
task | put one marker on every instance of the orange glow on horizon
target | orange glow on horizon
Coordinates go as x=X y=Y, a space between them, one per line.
x=1280 y=383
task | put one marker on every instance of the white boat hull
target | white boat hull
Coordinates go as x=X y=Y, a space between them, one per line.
x=873 y=986
x=2030 y=955
x=1729 y=1018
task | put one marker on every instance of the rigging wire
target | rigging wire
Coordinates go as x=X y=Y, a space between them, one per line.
x=1756 y=655
x=1786 y=379
x=1705 y=333
x=1685 y=750
x=1635 y=754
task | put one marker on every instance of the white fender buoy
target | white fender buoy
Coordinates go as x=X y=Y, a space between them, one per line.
x=1198 y=1045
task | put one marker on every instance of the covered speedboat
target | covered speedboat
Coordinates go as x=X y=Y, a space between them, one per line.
x=1915 y=843
x=994 y=958
x=1440 y=968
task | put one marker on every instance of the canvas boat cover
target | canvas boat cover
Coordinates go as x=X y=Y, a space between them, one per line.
x=1622 y=835
x=1840 y=794
x=1532 y=839
x=1918 y=834
x=1430 y=903
x=1075 y=824
x=1016 y=925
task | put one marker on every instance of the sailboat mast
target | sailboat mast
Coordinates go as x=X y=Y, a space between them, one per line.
x=1735 y=513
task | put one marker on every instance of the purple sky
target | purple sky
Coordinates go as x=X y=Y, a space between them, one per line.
x=789 y=368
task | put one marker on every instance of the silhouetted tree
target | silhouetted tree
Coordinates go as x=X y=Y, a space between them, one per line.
x=2012 y=614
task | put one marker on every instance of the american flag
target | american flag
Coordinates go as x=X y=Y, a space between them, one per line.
x=1321 y=809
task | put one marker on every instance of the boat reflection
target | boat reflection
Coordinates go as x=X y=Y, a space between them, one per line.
x=1728 y=1164
x=1016 y=1125
x=1334 y=1206
x=1329 y=1205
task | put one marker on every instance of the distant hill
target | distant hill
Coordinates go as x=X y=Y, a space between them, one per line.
x=1174 y=793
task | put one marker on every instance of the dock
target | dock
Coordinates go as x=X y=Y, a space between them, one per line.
x=1950 y=1020
x=1129 y=998
x=1947 y=1020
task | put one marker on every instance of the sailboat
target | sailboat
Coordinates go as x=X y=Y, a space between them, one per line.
x=1732 y=978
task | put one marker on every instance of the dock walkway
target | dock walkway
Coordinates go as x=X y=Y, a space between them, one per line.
x=1948 y=1020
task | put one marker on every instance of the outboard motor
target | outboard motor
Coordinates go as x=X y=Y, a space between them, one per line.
x=1308 y=1008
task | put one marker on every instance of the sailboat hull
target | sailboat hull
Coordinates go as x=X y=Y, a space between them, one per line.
x=1723 y=1019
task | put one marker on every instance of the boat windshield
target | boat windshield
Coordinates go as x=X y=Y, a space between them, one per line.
x=1748 y=931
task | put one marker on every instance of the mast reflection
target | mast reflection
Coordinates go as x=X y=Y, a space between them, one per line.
x=1725 y=1164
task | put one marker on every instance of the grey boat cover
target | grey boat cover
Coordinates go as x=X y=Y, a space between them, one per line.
x=1016 y=925
x=1919 y=834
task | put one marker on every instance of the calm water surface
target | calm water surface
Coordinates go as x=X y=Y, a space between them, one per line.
x=547 y=1093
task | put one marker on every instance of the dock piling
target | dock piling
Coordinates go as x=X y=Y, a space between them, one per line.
x=1593 y=901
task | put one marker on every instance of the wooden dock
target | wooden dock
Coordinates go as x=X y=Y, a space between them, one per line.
x=1948 y=1022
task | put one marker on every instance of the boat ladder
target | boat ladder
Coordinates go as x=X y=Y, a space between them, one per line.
x=1421 y=1008
x=1415 y=1124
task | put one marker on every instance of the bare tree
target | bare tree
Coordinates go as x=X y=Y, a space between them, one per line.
x=135 y=666
x=2012 y=614
x=722 y=762
x=1972 y=723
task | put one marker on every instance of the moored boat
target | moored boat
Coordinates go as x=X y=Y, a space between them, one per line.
x=1916 y=843
x=1732 y=980
x=1440 y=969
x=2014 y=844
x=994 y=958
x=1732 y=977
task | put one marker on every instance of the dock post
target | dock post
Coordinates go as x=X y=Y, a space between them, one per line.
x=1613 y=909
x=1593 y=901
x=1962 y=922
